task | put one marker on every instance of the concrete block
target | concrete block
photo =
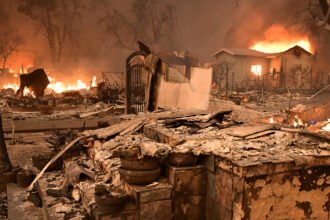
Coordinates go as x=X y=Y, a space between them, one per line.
x=153 y=202
x=215 y=212
x=143 y=194
x=129 y=212
x=160 y=194
x=189 y=207
x=188 y=181
x=160 y=210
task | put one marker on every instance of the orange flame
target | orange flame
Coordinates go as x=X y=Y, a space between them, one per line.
x=56 y=86
x=271 y=120
x=297 y=122
x=94 y=83
x=278 y=39
x=59 y=87
x=15 y=87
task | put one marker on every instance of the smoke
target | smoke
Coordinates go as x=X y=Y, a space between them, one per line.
x=206 y=26
x=201 y=27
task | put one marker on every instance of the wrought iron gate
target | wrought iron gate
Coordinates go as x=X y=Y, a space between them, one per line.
x=136 y=82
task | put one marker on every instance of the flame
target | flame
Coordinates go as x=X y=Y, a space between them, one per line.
x=297 y=122
x=271 y=120
x=59 y=87
x=278 y=39
x=56 y=86
x=15 y=87
x=94 y=84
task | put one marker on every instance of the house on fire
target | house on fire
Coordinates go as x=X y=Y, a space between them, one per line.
x=245 y=68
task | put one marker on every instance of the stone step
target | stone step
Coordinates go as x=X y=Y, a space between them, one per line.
x=19 y=208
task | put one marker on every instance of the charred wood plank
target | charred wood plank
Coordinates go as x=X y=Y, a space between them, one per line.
x=160 y=134
x=65 y=124
x=245 y=130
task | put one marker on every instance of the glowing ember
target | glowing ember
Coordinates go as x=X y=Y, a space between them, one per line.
x=278 y=39
x=327 y=127
x=297 y=122
x=94 y=84
x=271 y=121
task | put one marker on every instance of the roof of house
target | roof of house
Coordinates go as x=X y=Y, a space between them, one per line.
x=242 y=52
x=255 y=53
x=300 y=48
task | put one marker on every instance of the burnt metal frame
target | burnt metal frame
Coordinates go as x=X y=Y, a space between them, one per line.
x=133 y=86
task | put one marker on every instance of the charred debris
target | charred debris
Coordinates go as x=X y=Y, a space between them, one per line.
x=161 y=141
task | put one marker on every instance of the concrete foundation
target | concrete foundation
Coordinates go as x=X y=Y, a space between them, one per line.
x=296 y=193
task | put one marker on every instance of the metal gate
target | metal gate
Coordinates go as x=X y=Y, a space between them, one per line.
x=136 y=82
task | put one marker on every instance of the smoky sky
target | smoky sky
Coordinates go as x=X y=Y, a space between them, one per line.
x=201 y=27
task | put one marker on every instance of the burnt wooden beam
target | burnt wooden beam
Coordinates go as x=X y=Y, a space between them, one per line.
x=26 y=126
x=246 y=130
x=160 y=134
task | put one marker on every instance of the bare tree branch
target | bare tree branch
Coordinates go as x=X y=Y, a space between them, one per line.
x=9 y=43
x=55 y=19
x=153 y=20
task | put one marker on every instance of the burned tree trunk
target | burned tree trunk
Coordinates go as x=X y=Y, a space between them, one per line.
x=5 y=164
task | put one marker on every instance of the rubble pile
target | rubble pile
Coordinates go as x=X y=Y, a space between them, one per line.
x=81 y=157
x=102 y=166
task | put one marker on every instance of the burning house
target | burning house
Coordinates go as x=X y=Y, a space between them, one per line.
x=244 y=68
